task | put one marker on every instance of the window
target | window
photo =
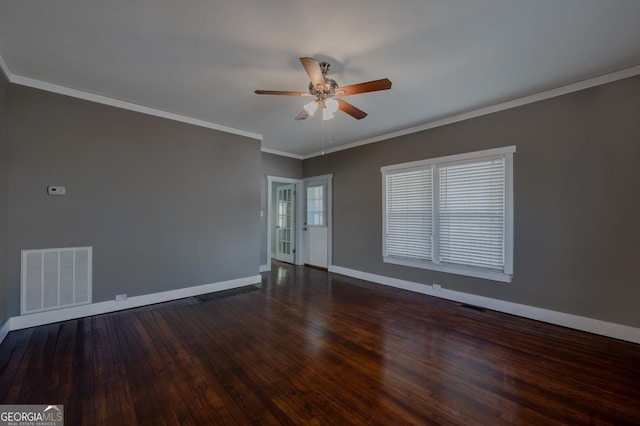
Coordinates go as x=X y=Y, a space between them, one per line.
x=451 y=214
x=315 y=205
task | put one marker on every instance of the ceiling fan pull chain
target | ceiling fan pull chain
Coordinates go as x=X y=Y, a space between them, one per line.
x=322 y=124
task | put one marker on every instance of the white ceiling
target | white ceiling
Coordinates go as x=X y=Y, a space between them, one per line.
x=203 y=59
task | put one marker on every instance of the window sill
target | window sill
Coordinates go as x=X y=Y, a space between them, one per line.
x=452 y=269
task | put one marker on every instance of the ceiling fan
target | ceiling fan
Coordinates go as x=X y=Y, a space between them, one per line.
x=327 y=93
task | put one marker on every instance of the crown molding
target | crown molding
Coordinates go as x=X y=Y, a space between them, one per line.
x=559 y=91
x=282 y=153
x=552 y=93
x=87 y=96
x=62 y=90
x=5 y=68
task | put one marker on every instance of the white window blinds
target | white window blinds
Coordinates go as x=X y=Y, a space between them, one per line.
x=451 y=214
x=409 y=214
x=471 y=213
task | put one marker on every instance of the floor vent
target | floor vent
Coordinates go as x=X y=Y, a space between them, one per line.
x=55 y=278
x=226 y=293
x=474 y=307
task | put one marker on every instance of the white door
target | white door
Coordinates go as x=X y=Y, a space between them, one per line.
x=285 y=230
x=315 y=229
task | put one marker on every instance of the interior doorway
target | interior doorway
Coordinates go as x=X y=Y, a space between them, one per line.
x=290 y=207
x=316 y=230
x=284 y=219
x=285 y=223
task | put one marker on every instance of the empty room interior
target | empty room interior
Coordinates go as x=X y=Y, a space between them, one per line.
x=413 y=212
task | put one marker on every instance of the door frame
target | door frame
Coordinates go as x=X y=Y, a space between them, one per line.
x=299 y=218
x=301 y=211
x=289 y=255
x=329 y=213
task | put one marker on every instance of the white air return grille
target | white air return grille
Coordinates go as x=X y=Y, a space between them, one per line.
x=55 y=278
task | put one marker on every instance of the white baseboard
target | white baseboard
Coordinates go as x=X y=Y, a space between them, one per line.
x=41 y=318
x=265 y=268
x=603 y=328
x=4 y=330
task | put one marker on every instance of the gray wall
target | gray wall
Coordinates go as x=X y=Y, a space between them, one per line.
x=280 y=166
x=164 y=204
x=3 y=197
x=577 y=201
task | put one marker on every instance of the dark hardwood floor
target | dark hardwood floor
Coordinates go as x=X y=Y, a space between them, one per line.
x=311 y=347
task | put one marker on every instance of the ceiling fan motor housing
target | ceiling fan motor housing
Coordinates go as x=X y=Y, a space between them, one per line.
x=324 y=67
x=332 y=86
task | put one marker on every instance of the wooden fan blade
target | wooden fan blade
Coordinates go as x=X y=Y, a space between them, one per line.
x=356 y=113
x=281 y=92
x=312 y=66
x=369 y=86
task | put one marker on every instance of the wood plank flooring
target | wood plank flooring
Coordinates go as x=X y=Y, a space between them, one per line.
x=313 y=348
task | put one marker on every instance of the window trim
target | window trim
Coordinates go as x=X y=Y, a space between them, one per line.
x=505 y=275
x=310 y=184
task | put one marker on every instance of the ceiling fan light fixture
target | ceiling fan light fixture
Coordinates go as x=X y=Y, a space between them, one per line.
x=311 y=107
x=326 y=114
x=331 y=105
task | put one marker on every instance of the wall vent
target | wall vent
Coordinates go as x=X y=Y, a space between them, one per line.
x=55 y=278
